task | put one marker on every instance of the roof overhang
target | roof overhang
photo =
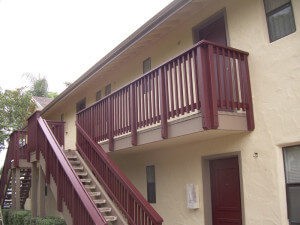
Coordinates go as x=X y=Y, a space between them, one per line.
x=154 y=22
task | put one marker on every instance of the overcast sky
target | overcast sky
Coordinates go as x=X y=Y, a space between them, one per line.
x=62 y=39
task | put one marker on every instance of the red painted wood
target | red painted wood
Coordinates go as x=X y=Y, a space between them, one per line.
x=65 y=177
x=225 y=191
x=112 y=175
x=133 y=116
x=236 y=81
x=187 y=109
x=218 y=75
x=243 y=103
x=181 y=86
x=165 y=91
x=176 y=88
x=229 y=58
x=212 y=91
x=191 y=82
x=203 y=81
x=249 y=111
x=163 y=105
x=196 y=79
x=225 y=80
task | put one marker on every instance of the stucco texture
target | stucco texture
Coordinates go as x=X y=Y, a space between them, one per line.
x=275 y=82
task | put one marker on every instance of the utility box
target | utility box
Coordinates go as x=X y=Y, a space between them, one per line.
x=192 y=196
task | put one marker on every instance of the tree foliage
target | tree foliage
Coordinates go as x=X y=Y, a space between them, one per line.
x=13 y=112
x=38 y=85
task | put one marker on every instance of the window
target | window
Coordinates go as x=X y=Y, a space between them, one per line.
x=151 y=193
x=292 y=178
x=98 y=95
x=147 y=65
x=80 y=105
x=107 y=89
x=280 y=18
x=212 y=29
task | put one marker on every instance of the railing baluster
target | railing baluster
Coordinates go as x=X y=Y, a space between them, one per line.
x=133 y=115
x=225 y=80
x=191 y=82
x=176 y=88
x=163 y=105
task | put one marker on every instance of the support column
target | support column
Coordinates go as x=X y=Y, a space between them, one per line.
x=13 y=189
x=18 y=199
x=41 y=193
x=34 y=184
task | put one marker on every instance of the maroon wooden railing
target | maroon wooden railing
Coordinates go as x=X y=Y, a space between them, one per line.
x=208 y=77
x=131 y=202
x=17 y=150
x=58 y=129
x=69 y=187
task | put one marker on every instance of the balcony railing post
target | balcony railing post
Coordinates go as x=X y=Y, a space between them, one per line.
x=133 y=114
x=33 y=135
x=207 y=86
x=16 y=138
x=163 y=104
x=249 y=111
x=110 y=124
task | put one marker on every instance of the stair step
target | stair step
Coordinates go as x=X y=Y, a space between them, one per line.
x=78 y=167
x=95 y=194
x=83 y=174
x=86 y=180
x=75 y=162
x=110 y=218
x=104 y=209
x=100 y=201
x=90 y=186
x=72 y=157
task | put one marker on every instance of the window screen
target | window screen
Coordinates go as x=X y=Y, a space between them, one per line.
x=151 y=192
x=98 y=95
x=280 y=18
x=107 y=89
x=80 y=105
x=146 y=65
x=292 y=177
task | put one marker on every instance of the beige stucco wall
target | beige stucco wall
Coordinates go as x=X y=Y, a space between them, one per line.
x=275 y=82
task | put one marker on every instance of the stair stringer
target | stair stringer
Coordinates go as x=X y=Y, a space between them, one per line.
x=53 y=187
x=115 y=210
x=6 y=187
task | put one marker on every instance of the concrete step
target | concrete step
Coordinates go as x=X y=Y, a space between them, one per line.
x=105 y=209
x=78 y=168
x=75 y=162
x=110 y=218
x=86 y=180
x=100 y=201
x=82 y=174
x=94 y=194
x=72 y=157
x=91 y=187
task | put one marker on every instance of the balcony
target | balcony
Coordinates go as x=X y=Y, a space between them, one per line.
x=207 y=87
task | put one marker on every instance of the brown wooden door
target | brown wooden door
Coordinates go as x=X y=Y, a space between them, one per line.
x=214 y=32
x=225 y=191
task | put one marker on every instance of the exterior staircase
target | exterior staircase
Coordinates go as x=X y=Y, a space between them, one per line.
x=25 y=184
x=104 y=203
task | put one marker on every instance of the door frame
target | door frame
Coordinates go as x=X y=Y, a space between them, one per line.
x=208 y=21
x=207 y=203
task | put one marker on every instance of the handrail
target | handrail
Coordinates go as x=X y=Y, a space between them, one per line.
x=132 y=203
x=4 y=175
x=208 y=77
x=69 y=186
x=16 y=150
